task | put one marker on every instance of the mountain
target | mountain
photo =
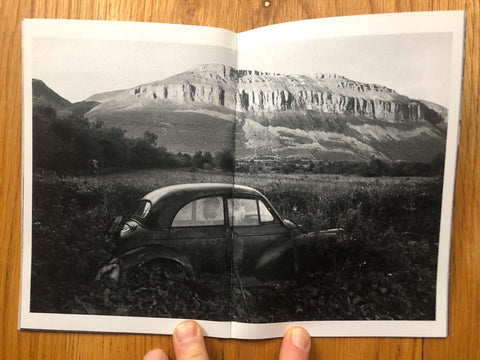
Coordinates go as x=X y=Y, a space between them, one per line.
x=190 y=111
x=44 y=96
x=330 y=117
x=318 y=116
x=260 y=92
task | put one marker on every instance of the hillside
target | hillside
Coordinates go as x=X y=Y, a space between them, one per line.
x=43 y=95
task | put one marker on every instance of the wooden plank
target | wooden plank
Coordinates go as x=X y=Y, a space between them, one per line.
x=464 y=310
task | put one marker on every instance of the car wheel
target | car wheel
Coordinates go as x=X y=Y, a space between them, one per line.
x=165 y=269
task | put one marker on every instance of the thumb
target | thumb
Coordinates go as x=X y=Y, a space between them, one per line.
x=155 y=354
x=188 y=342
x=296 y=344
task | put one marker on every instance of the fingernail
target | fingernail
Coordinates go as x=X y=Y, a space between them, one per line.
x=301 y=339
x=186 y=331
x=155 y=354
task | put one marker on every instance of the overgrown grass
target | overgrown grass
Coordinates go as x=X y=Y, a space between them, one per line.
x=385 y=268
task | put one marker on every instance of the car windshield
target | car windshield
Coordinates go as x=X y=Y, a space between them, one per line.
x=142 y=209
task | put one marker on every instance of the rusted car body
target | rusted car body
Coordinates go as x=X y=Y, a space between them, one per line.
x=215 y=228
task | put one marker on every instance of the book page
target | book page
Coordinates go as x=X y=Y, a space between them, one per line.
x=352 y=123
x=342 y=134
x=112 y=112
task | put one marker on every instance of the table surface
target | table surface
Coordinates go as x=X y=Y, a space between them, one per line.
x=463 y=341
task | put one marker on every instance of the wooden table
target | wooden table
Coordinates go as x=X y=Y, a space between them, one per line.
x=463 y=341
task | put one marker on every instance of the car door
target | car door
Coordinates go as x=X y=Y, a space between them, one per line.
x=199 y=231
x=255 y=229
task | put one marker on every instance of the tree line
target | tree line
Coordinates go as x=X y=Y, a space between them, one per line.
x=371 y=168
x=72 y=143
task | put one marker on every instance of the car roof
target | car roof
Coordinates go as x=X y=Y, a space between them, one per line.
x=168 y=200
x=192 y=191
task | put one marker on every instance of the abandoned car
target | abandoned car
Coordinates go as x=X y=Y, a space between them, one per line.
x=214 y=228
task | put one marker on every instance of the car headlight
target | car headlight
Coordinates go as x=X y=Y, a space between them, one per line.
x=125 y=230
x=111 y=270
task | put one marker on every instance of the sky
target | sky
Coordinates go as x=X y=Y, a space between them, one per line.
x=415 y=65
x=78 y=68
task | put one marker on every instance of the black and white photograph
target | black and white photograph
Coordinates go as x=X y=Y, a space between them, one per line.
x=244 y=181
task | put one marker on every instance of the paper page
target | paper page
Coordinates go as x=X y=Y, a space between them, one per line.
x=353 y=122
x=112 y=111
x=120 y=109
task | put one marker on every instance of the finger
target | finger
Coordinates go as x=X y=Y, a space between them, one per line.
x=155 y=354
x=188 y=342
x=296 y=344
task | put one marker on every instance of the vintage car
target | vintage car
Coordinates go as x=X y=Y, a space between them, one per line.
x=215 y=228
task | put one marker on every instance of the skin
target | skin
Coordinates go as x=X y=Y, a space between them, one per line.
x=189 y=344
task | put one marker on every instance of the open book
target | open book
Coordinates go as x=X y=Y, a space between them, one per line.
x=297 y=173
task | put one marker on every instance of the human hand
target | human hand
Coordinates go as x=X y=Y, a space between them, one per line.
x=189 y=344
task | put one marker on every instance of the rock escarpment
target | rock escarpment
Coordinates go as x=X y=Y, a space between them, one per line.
x=328 y=102
x=183 y=93
x=207 y=84
x=330 y=94
x=256 y=93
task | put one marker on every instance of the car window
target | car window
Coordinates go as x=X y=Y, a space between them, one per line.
x=201 y=212
x=245 y=212
x=265 y=214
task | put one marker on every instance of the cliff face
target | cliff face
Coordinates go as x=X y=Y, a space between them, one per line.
x=329 y=94
x=329 y=102
x=185 y=93
x=257 y=93
x=207 y=84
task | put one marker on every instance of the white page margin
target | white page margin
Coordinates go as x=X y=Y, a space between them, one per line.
x=124 y=30
x=451 y=153
x=359 y=25
x=376 y=328
x=117 y=324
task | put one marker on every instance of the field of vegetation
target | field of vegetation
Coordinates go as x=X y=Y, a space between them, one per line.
x=385 y=268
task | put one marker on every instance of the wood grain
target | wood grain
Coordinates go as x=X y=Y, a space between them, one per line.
x=463 y=341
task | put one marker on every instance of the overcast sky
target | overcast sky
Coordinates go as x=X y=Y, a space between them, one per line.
x=77 y=69
x=416 y=65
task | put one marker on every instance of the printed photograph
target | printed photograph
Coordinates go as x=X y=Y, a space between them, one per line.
x=114 y=124
x=346 y=138
x=300 y=182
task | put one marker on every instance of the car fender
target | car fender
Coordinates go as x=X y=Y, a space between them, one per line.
x=119 y=266
x=143 y=255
